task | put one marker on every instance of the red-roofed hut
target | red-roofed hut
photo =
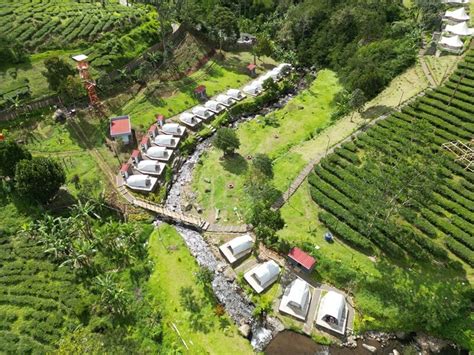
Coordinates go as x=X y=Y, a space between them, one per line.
x=300 y=258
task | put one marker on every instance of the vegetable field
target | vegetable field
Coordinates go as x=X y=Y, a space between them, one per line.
x=35 y=298
x=395 y=190
x=54 y=23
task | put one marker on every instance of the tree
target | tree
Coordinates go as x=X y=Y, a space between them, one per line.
x=357 y=101
x=57 y=71
x=11 y=52
x=39 y=179
x=72 y=88
x=263 y=164
x=223 y=24
x=263 y=47
x=10 y=154
x=226 y=140
x=113 y=298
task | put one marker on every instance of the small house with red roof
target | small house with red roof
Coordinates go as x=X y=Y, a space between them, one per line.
x=200 y=92
x=126 y=171
x=120 y=128
x=252 y=68
x=136 y=156
x=153 y=131
x=299 y=258
x=145 y=143
x=160 y=120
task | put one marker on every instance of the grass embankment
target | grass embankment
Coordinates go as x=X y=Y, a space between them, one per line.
x=296 y=122
x=177 y=96
x=203 y=330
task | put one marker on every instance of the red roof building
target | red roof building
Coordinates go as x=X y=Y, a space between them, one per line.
x=251 y=67
x=301 y=258
x=2 y=137
x=125 y=167
x=145 y=141
x=120 y=127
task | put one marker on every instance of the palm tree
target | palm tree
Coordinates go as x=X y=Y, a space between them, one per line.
x=112 y=297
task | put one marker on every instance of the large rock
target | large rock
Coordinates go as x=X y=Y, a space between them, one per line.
x=244 y=330
x=371 y=348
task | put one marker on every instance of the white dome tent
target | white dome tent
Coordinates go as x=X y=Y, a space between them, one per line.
x=457 y=15
x=165 y=140
x=214 y=106
x=202 y=112
x=333 y=312
x=262 y=276
x=159 y=153
x=236 y=94
x=151 y=167
x=237 y=248
x=189 y=119
x=460 y=29
x=296 y=299
x=173 y=129
x=141 y=183
x=451 y=44
x=225 y=100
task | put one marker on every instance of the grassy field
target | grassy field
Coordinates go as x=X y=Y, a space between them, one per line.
x=216 y=75
x=203 y=331
x=295 y=123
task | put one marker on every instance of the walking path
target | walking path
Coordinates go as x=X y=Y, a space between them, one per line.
x=426 y=70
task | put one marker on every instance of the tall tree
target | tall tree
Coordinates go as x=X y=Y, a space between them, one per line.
x=39 y=179
x=223 y=25
x=57 y=71
x=226 y=140
x=357 y=101
x=10 y=154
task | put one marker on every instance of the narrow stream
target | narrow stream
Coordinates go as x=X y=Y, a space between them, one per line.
x=226 y=290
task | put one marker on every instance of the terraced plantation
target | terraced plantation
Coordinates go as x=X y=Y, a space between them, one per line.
x=62 y=23
x=35 y=297
x=396 y=190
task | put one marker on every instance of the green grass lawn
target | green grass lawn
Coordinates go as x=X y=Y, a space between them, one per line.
x=296 y=123
x=216 y=75
x=174 y=268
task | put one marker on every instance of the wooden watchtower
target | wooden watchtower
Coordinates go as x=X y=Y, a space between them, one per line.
x=89 y=83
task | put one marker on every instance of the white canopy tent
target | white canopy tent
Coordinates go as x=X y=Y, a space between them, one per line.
x=296 y=299
x=236 y=94
x=460 y=29
x=214 y=106
x=202 y=112
x=237 y=248
x=151 y=167
x=173 y=129
x=457 y=15
x=141 y=182
x=263 y=275
x=159 y=153
x=189 y=119
x=165 y=140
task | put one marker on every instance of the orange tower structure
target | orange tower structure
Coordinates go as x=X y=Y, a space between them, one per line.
x=89 y=83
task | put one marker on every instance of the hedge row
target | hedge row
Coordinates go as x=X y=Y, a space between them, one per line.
x=454 y=196
x=461 y=251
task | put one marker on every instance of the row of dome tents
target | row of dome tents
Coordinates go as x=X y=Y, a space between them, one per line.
x=456 y=29
x=203 y=113
x=147 y=164
x=297 y=295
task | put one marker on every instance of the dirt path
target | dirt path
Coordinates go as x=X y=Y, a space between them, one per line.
x=427 y=71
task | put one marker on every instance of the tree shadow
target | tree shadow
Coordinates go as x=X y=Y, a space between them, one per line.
x=375 y=111
x=235 y=164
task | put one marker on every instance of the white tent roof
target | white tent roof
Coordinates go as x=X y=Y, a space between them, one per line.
x=240 y=244
x=454 y=42
x=252 y=89
x=201 y=111
x=299 y=293
x=79 y=57
x=234 y=93
x=186 y=117
x=332 y=304
x=455 y=2
x=164 y=139
x=266 y=272
x=224 y=99
x=158 y=152
x=142 y=182
x=150 y=166
x=173 y=128
x=213 y=105
x=461 y=29
x=458 y=14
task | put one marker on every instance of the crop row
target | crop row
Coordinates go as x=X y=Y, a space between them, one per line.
x=15 y=344
x=461 y=251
